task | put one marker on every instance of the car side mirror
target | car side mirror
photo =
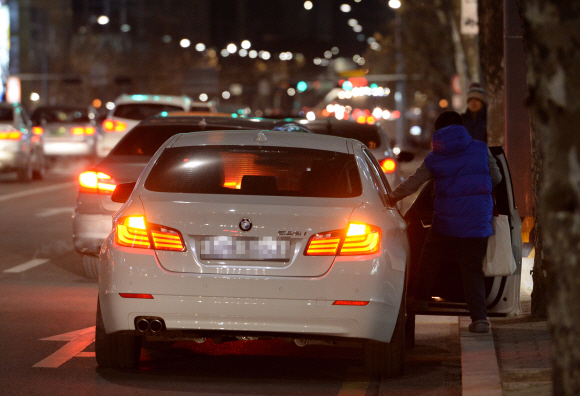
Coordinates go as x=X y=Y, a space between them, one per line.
x=405 y=156
x=123 y=192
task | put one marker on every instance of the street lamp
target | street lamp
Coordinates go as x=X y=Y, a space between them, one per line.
x=103 y=20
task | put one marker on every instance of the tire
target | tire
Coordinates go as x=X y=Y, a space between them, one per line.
x=38 y=173
x=387 y=359
x=91 y=266
x=25 y=174
x=410 y=331
x=115 y=350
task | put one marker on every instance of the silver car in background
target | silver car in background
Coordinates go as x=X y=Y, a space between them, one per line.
x=21 y=146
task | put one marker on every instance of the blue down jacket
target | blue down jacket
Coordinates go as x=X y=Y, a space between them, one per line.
x=463 y=203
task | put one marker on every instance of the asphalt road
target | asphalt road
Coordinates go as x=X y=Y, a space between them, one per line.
x=47 y=314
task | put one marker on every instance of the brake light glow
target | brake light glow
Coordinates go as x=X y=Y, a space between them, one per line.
x=10 y=135
x=347 y=302
x=136 y=295
x=82 y=131
x=96 y=182
x=37 y=130
x=388 y=165
x=131 y=232
x=134 y=231
x=357 y=239
x=114 y=125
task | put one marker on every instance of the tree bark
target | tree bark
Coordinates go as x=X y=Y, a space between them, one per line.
x=490 y=13
x=552 y=37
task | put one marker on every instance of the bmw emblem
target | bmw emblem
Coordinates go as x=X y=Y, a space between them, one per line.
x=245 y=224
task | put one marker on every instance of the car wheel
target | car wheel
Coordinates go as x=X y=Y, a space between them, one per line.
x=410 y=331
x=38 y=173
x=91 y=266
x=387 y=359
x=115 y=350
x=25 y=174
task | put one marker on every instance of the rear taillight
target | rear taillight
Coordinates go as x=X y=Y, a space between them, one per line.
x=388 y=165
x=134 y=231
x=114 y=125
x=357 y=239
x=10 y=135
x=96 y=182
x=37 y=130
x=77 y=131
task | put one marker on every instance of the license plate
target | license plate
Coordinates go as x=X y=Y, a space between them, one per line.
x=245 y=248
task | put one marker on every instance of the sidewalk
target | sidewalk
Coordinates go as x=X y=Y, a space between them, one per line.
x=513 y=360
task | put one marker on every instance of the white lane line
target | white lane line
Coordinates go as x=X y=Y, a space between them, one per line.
x=355 y=383
x=73 y=348
x=34 y=191
x=26 y=266
x=70 y=335
x=54 y=211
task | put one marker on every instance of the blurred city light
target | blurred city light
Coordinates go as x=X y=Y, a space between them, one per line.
x=317 y=61
x=225 y=53
x=394 y=4
x=377 y=112
x=358 y=29
x=308 y=5
x=352 y=22
x=246 y=44
x=253 y=54
x=200 y=47
x=125 y=28
x=376 y=46
x=327 y=54
x=166 y=38
x=324 y=62
x=226 y=95
x=110 y=105
x=335 y=50
x=443 y=103
x=415 y=130
x=34 y=96
x=386 y=114
x=265 y=55
x=243 y=52
x=396 y=150
x=103 y=20
x=203 y=97
x=361 y=61
x=185 y=43
x=371 y=40
x=310 y=116
x=347 y=85
x=97 y=103
x=291 y=91
x=232 y=48
x=345 y=8
x=301 y=86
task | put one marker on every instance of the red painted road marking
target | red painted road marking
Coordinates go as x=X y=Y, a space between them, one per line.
x=77 y=341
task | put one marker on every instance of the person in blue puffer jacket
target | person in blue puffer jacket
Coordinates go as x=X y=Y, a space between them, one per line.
x=465 y=172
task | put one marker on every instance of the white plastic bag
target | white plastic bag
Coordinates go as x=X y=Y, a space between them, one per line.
x=499 y=259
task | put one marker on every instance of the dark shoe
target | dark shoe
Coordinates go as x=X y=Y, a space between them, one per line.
x=479 y=326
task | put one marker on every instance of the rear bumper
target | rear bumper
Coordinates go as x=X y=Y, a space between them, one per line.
x=250 y=304
x=68 y=147
x=89 y=231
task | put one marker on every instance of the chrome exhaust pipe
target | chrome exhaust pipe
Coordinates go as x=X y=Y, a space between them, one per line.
x=199 y=340
x=301 y=342
x=156 y=325
x=143 y=325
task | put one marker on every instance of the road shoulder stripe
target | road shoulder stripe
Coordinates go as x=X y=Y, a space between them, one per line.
x=26 y=266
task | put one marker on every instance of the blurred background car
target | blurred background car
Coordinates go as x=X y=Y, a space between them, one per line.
x=129 y=110
x=94 y=208
x=67 y=130
x=21 y=146
x=372 y=135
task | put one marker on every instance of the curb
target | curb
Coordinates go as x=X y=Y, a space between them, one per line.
x=479 y=367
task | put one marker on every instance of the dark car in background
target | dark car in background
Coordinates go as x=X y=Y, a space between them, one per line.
x=69 y=131
x=94 y=207
x=373 y=136
x=21 y=146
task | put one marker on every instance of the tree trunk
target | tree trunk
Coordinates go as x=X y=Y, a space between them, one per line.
x=552 y=34
x=490 y=13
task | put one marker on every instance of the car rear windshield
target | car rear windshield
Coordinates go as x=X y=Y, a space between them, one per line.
x=140 y=111
x=60 y=115
x=366 y=134
x=272 y=171
x=144 y=140
x=6 y=114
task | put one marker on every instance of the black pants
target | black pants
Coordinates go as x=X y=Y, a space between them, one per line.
x=437 y=250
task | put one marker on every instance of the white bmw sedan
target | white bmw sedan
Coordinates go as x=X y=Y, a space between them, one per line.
x=238 y=235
